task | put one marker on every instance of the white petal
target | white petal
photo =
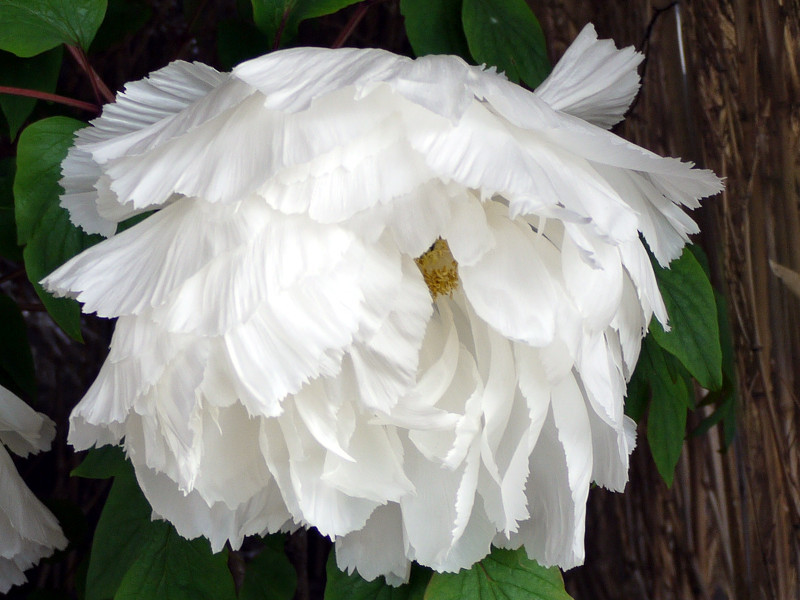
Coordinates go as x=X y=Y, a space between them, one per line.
x=593 y=80
x=22 y=429
x=331 y=511
x=574 y=434
x=441 y=513
x=550 y=534
x=630 y=322
x=509 y=287
x=595 y=289
x=28 y=531
x=144 y=103
x=640 y=269
x=193 y=517
x=377 y=548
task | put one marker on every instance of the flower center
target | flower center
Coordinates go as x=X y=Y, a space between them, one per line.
x=439 y=269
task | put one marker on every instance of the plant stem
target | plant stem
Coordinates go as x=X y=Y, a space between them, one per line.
x=13 y=91
x=12 y=275
x=351 y=24
x=281 y=26
x=101 y=91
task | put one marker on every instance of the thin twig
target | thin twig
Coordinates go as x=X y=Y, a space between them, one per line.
x=281 y=26
x=12 y=275
x=189 y=37
x=13 y=91
x=31 y=307
x=101 y=90
x=645 y=44
x=350 y=26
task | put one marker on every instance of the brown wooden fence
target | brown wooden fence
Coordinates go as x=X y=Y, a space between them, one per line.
x=721 y=87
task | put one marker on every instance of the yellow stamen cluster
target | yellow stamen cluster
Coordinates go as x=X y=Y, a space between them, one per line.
x=439 y=269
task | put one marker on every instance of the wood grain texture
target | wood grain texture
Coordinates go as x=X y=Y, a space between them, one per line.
x=721 y=88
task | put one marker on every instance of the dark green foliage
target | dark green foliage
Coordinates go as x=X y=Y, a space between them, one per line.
x=435 y=27
x=279 y=19
x=342 y=586
x=134 y=557
x=37 y=73
x=506 y=574
x=43 y=227
x=29 y=27
x=507 y=35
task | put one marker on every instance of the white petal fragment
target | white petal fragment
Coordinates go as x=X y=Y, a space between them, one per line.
x=28 y=530
x=593 y=80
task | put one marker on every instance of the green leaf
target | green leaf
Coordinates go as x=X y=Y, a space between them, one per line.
x=435 y=27
x=694 y=337
x=270 y=575
x=671 y=396
x=8 y=222
x=29 y=27
x=42 y=224
x=506 y=574
x=38 y=73
x=284 y=16
x=16 y=360
x=102 y=463
x=507 y=35
x=342 y=586
x=123 y=532
x=174 y=568
x=135 y=558
x=42 y=147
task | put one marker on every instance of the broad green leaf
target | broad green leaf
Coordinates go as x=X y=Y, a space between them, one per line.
x=671 y=397
x=174 y=568
x=123 y=532
x=16 y=360
x=507 y=35
x=42 y=225
x=8 y=222
x=38 y=73
x=29 y=27
x=42 y=147
x=270 y=575
x=102 y=463
x=435 y=27
x=135 y=558
x=342 y=586
x=284 y=16
x=508 y=574
x=694 y=335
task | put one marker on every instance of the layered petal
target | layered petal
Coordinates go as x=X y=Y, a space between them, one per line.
x=28 y=530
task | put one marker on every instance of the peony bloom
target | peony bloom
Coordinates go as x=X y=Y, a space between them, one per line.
x=28 y=531
x=396 y=300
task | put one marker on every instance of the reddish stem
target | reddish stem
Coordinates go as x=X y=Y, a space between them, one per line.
x=52 y=97
x=276 y=43
x=351 y=24
x=101 y=90
x=12 y=275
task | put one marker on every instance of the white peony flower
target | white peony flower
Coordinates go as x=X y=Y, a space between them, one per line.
x=28 y=531
x=396 y=300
